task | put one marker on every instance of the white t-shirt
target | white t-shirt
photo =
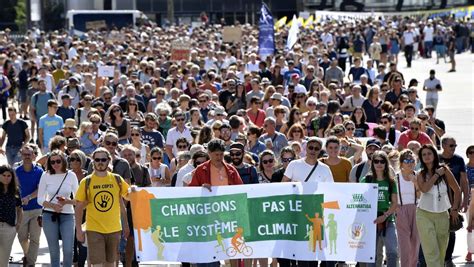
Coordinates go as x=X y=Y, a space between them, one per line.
x=409 y=37
x=49 y=184
x=407 y=191
x=428 y=31
x=298 y=170
x=252 y=66
x=431 y=86
x=184 y=173
x=174 y=134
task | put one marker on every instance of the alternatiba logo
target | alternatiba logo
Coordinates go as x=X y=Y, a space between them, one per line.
x=359 y=202
x=357 y=231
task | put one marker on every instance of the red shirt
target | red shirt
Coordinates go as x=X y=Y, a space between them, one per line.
x=405 y=138
x=257 y=119
x=202 y=175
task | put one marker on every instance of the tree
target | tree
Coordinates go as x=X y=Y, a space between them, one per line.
x=20 y=19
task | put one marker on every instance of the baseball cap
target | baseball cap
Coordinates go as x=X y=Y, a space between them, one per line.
x=237 y=145
x=373 y=142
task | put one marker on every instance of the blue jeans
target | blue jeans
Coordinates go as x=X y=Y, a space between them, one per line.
x=389 y=240
x=62 y=225
x=428 y=48
x=13 y=154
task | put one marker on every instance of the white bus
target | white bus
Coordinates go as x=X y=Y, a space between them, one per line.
x=83 y=20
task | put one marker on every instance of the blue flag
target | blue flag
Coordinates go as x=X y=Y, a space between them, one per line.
x=266 y=37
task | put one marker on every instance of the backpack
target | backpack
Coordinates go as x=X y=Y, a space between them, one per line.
x=35 y=101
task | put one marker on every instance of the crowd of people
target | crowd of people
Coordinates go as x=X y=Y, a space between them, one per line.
x=334 y=108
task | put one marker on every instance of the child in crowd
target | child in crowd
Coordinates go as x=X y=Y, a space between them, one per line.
x=88 y=141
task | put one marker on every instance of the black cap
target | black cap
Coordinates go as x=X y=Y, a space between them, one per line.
x=237 y=145
x=373 y=142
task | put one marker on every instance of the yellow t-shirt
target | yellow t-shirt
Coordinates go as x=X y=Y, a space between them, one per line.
x=103 y=208
x=341 y=171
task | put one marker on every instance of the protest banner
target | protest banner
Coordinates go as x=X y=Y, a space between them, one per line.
x=180 y=50
x=96 y=25
x=231 y=34
x=106 y=71
x=314 y=221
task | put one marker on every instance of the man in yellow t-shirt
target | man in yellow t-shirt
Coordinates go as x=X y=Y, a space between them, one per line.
x=105 y=211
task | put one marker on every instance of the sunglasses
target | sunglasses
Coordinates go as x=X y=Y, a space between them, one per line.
x=453 y=145
x=95 y=122
x=109 y=143
x=180 y=119
x=287 y=159
x=350 y=129
x=408 y=161
x=379 y=161
x=156 y=158
x=237 y=154
x=414 y=129
x=58 y=161
x=202 y=101
x=74 y=159
x=384 y=122
x=313 y=148
x=267 y=161
x=199 y=162
x=116 y=110
x=101 y=159
x=135 y=134
x=182 y=147
x=161 y=94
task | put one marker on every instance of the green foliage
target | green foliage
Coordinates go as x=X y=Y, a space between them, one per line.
x=20 y=19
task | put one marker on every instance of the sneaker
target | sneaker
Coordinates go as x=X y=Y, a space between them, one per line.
x=452 y=70
x=468 y=257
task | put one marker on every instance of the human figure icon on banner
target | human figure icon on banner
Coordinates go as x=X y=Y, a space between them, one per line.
x=238 y=244
x=310 y=237
x=332 y=233
x=317 y=235
x=157 y=237
x=220 y=243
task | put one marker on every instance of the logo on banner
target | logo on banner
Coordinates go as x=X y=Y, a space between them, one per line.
x=359 y=202
x=357 y=233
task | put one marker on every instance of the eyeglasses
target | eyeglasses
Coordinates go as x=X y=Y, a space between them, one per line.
x=135 y=134
x=453 y=145
x=156 y=158
x=236 y=154
x=53 y=162
x=182 y=147
x=267 y=161
x=101 y=160
x=109 y=143
x=379 y=161
x=287 y=159
x=408 y=161
x=414 y=129
x=73 y=159
x=313 y=148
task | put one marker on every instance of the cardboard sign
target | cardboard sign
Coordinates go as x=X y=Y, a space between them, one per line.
x=180 y=51
x=231 y=34
x=96 y=25
x=106 y=71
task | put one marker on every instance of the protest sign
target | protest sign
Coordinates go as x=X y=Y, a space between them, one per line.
x=231 y=34
x=96 y=25
x=317 y=221
x=180 y=50
x=105 y=71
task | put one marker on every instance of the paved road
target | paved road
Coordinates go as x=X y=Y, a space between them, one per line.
x=455 y=107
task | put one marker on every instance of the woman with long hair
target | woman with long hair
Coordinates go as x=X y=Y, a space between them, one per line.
x=134 y=115
x=159 y=173
x=336 y=119
x=407 y=232
x=372 y=105
x=205 y=135
x=137 y=142
x=269 y=91
x=77 y=161
x=238 y=100
x=160 y=94
x=359 y=119
x=280 y=114
x=117 y=119
x=277 y=78
x=296 y=134
x=195 y=122
x=294 y=117
x=11 y=214
x=56 y=192
x=387 y=205
x=300 y=102
x=314 y=89
x=434 y=211
x=266 y=167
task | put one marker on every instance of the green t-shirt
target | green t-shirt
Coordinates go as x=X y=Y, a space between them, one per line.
x=384 y=199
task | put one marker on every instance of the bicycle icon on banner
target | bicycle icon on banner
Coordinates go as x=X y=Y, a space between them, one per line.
x=244 y=249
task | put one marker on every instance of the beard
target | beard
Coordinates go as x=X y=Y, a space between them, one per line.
x=237 y=162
